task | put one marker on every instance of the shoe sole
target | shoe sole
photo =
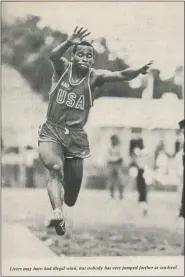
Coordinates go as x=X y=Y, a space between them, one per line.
x=59 y=225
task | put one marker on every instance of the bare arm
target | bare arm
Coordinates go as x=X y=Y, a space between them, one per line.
x=128 y=74
x=57 y=53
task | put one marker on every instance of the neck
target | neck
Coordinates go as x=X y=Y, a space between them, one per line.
x=78 y=73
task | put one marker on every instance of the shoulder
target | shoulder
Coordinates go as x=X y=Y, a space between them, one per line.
x=60 y=64
x=97 y=76
x=99 y=72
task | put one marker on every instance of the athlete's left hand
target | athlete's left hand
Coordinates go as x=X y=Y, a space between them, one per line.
x=78 y=35
x=145 y=68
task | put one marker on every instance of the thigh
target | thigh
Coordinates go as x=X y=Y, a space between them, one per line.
x=51 y=154
x=110 y=173
x=73 y=174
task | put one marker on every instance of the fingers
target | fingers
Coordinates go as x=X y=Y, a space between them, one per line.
x=76 y=29
x=146 y=67
x=83 y=31
x=80 y=31
x=151 y=62
x=85 y=35
x=148 y=64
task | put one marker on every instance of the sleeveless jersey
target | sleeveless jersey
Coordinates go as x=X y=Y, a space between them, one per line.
x=69 y=102
x=114 y=154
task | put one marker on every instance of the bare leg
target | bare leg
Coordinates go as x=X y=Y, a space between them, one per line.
x=120 y=183
x=52 y=157
x=111 y=181
x=55 y=189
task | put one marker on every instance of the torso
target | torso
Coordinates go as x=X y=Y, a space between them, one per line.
x=114 y=155
x=69 y=102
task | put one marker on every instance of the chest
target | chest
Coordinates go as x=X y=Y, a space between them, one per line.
x=90 y=80
x=65 y=93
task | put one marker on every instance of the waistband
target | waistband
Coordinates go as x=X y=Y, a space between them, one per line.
x=64 y=126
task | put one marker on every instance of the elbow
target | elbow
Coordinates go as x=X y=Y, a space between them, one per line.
x=53 y=56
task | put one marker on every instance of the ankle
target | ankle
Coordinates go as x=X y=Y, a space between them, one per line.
x=58 y=210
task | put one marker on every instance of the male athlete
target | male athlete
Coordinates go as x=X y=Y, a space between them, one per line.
x=63 y=144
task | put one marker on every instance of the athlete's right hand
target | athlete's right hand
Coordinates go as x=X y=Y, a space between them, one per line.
x=78 y=35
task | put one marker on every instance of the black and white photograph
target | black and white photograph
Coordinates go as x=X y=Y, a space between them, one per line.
x=92 y=141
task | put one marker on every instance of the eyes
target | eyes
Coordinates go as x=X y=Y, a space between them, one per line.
x=81 y=54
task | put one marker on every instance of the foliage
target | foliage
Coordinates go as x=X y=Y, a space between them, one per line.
x=26 y=47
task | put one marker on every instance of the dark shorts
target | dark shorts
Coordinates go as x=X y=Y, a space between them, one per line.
x=114 y=169
x=115 y=174
x=74 y=141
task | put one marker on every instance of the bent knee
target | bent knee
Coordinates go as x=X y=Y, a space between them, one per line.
x=56 y=170
x=56 y=167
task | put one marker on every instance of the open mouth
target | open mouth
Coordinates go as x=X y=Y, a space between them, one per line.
x=83 y=65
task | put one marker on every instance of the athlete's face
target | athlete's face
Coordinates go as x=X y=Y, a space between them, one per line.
x=83 y=57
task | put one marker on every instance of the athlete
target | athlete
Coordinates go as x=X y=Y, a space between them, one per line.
x=63 y=144
x=115 y=167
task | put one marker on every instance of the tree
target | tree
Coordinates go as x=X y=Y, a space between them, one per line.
x=26 y=47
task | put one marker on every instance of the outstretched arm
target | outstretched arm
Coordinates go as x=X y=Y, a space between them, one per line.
x=128 y=74
x=57 y=53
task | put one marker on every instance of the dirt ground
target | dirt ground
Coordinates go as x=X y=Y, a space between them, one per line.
x=100 y=226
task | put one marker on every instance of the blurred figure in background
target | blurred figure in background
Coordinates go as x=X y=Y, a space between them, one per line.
x=11 y=161
x=141 y=186
x=29 y=160
x=162 y=167
x=115 y=162
x=181 y=212
x=2 y=145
